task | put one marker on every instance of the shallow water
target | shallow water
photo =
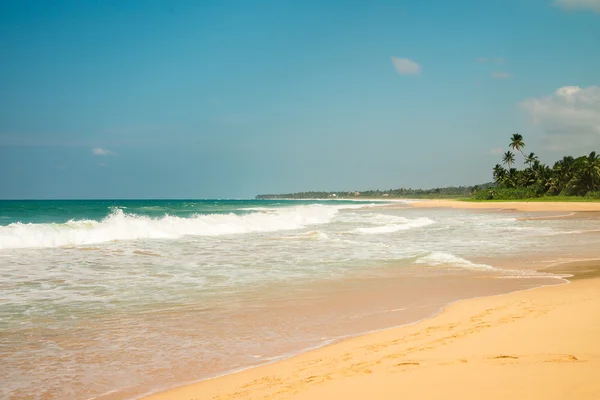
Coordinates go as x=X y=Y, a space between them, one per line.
x=131 y=297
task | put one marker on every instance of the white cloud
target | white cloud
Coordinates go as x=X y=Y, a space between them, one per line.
x=570 y=117
x=500 y=75
x=98 y=151
x=491 y=60
x=406 y=66
x=496 y=151
x=593 y=5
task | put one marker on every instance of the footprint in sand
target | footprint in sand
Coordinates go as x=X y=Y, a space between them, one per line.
x=408 y=364
x=505 y=356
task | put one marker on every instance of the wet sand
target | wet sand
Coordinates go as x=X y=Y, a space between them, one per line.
x=533 y=344
x=579 y=270
x=295 y=320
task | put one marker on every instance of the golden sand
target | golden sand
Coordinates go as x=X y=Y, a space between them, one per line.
x=533 y=206
x=536 y=344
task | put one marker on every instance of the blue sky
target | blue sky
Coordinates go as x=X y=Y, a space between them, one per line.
x=216 y=99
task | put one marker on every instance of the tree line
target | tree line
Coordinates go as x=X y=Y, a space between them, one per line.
x=567 y=177
x=443 y=192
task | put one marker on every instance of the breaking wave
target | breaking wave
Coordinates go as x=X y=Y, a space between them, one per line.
x=119 y=226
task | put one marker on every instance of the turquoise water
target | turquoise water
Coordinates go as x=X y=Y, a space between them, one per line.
x=29 y=224
x=124 y=297
x=61 y=211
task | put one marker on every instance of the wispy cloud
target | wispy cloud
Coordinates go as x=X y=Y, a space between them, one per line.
x=570 y=118
x=500 y=75
x=495 y=151
x=593 y=5
x=406 y=66
x=98 y=151
x=491 y=60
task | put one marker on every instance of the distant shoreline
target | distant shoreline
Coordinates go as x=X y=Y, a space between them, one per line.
x=454 y=201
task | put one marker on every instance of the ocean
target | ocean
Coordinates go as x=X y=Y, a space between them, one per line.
x=115 y=299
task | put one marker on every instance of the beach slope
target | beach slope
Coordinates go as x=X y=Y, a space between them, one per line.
x=531 y=206
x=536 y=344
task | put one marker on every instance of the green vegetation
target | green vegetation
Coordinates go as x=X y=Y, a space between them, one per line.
x=451 y=192
x=567 y=177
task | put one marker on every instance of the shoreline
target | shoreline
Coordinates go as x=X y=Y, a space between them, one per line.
x=533 y=206
x=195 y=390
x=515 y=205
x=439 y=308
x=351 y=277
x=235 y=384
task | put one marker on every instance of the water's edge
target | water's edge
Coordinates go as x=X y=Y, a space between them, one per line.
x=283 y=357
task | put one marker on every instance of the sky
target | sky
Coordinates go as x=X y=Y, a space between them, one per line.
x=230 y=99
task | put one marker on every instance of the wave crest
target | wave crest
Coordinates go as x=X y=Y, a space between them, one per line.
x=121 y=226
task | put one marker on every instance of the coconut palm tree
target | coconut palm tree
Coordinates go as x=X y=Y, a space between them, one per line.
x=553 y=185
x=516 y=143
x=499 y=174
x=531 y=158
x=512 y=178
x=508 y=159
x=563 y=171
x=570 y=176
x=584 y=175
x=590 y=169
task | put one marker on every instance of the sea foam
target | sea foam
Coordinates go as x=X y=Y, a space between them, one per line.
x=122 y=226
x=406 y=224
x=437 y=258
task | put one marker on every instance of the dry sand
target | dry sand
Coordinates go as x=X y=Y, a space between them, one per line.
x=533 y=206
x=537 y=344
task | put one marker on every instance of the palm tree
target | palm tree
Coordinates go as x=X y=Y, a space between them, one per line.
x=531 y=158
x=499 y=174
x=553 y=185
x=584 y=175
x=516 y=143
x=508 y=159
x=512 y=178
x=590 y=168
x=563 y=171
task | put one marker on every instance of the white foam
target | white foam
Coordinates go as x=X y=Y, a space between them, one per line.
x=121 y=226
x=389 y=228
x=317 y=235
x=439 y=258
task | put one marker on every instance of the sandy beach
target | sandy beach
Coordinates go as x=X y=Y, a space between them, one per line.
x=532 y=206
x=533 y=344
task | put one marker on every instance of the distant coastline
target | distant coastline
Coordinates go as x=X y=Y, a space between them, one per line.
x=449 y=192
x=569 y=179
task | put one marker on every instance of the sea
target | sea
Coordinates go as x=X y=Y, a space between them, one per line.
x=115 y=299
